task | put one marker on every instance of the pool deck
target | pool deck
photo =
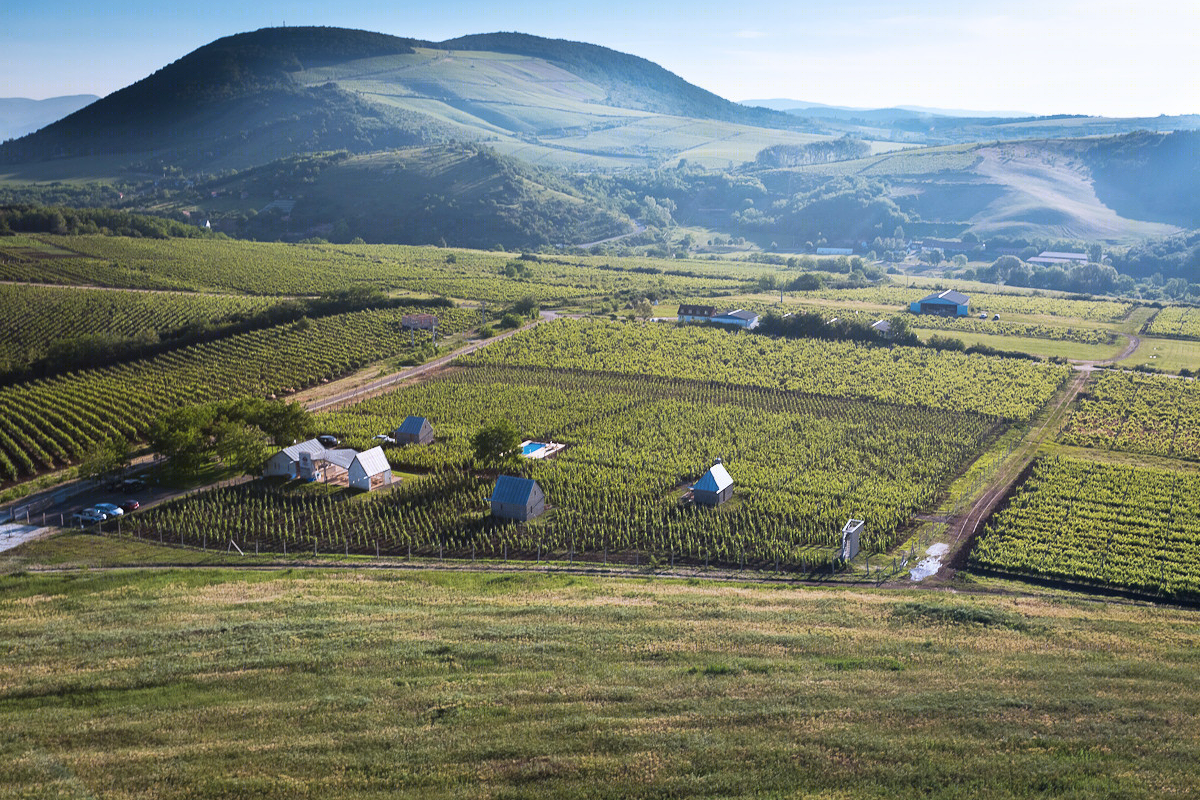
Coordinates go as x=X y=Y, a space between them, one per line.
x=545 y=449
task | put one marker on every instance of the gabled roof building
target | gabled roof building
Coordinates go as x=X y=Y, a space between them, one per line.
x=714 y=487
x=517 y=498
x=414 y=430
x=947 y=304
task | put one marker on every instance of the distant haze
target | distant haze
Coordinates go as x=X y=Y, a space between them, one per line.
x=21 y=115
x=783 y=104
x=1101 y=57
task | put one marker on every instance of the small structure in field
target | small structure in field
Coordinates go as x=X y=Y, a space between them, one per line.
x=714 y=487
x=945 y=304
x=369 y=470
x=517 y=498
x=1050 y=258
x=326 y=466
x=540 y=450
x=739 y=317
x=851 y=534
x=414 y=430
x=694 y=313
x=286 y=463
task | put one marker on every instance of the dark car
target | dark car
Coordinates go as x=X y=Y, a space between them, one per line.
x=130 y=505
x=328 y=440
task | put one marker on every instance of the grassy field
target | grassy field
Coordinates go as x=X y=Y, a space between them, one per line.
x=327 y=683
x=1169 y=355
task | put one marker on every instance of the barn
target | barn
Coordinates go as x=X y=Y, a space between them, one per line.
x=517 y=498
x=414 y=430
x=286 y=463
x=945 y=304
x=715 y=487
x=739 y=317
x=370 y=470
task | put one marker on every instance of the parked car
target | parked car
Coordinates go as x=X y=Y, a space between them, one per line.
x=996 y=318
x=111 y=509
x=983 y=315
x=130 y=505
x=133 y=484
x=88 y=516
x=328 y=440
x=383 y=437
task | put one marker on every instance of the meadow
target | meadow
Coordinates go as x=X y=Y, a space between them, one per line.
x=205 y=683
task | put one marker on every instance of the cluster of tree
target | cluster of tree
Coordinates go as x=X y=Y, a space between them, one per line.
x=940 y=342
x=810 y=325
x=1170 y=257
x=1090 y=278
x=28 y=218
x=239 y=432
x=1145 y=175
x=496 y=443
x=820 y=152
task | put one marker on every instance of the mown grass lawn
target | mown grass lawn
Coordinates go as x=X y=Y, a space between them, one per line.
x=330 y=683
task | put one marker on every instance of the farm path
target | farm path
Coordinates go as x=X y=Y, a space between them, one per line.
x=964 y=527
x=378 y=386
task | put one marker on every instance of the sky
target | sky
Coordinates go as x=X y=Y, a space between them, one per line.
x=1099 y=57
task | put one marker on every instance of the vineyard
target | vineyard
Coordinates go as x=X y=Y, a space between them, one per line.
x=1010 y=388
x=48 y=315
x=1177 y=322
x=1031 y=330
x=1101 y=524
x=802 y=466
x=52 y=422
x=1138 y=413
x=272 y=268
x=1029 y=305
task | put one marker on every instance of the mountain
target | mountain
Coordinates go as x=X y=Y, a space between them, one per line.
x=784 y=104
x=20 y=115
x=255 y=97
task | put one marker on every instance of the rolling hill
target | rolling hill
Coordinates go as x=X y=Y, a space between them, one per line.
x=20 y=115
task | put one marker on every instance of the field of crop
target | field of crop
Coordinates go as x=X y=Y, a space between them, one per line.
x=1138 y=413
x=212 y=683
x=274 y=268
x=1024 y=304
x=1102 y=524
x=908 y=163
x=40 y=316
x=51 y=422
x=1181 y=322
x=1008 y=388
x=802 y=466
x=1028 y=330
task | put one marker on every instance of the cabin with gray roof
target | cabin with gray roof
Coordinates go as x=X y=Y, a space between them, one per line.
x=414 y=430
x=714 y=487
x=517 y=498
x=695 y=313
x=945 y=304
x=369 y=470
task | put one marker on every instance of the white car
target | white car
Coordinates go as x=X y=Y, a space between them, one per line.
x=109 y=509
x=383 y=437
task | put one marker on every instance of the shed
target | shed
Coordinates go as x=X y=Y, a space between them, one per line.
x=517 y=498
x=946 y=304
x=286 y=463
x=414 y=430
x=325 y=465
x=714 y=487
x=883 y=326
x=370 y=470
x=851 y=534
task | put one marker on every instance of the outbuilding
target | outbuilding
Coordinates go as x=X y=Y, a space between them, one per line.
x=517 y=498
x=414 y=430
x=370 y=470
x=945 y=304
x=738 y=317
x=851 y=538
x=714 y=487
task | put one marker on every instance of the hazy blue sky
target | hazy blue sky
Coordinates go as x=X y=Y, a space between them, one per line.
x=1115 y=57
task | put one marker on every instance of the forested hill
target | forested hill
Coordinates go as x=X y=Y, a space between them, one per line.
x=631 y=82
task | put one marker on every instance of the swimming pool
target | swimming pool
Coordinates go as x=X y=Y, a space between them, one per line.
x=531 y=447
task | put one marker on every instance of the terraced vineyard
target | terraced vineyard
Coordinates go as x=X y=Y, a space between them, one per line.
x=48 y=315
x=1007 y=388
x=49 y=423
x=1138 y=413
x=1178 y=322
x=802 y=466
x=1100 y=524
